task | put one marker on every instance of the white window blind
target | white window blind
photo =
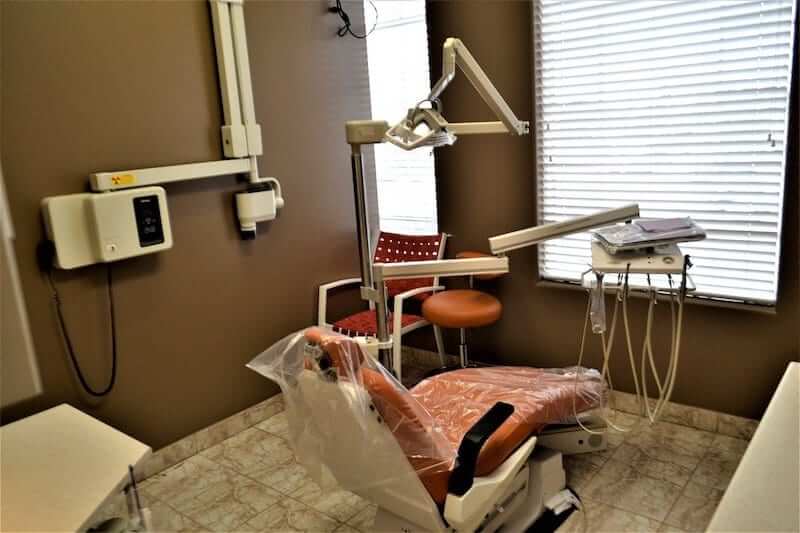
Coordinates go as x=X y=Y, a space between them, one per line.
x=399 y=76
x=679 y=106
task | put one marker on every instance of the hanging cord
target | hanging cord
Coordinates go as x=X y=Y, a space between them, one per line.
x=647 y=355
x=626 y=325
x=605 y=373
x=348 y=25
x=673 y=371
x=68 y=342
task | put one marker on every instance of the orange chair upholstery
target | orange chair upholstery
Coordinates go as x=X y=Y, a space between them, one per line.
x=452 y=402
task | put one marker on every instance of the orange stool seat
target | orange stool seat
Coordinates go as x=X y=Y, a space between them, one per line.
x=465 y=308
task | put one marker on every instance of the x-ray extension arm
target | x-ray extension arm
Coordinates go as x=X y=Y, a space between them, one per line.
x=456 y=53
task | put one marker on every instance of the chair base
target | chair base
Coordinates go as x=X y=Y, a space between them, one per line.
x=523 y=505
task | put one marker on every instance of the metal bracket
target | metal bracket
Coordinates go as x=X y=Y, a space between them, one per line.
x=369 y=294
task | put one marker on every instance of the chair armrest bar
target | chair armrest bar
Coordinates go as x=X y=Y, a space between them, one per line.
x=322 y=304
x=464 y=473
x=414 y=292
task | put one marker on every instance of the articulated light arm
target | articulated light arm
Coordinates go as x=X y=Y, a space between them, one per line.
x=438 y=131
x=455 y=53
x=507 y=242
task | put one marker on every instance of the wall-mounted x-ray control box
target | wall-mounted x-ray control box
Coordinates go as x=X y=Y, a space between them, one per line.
x=102 y=227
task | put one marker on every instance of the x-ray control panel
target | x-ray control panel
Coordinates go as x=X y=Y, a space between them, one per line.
x=148 y=220
x=102 y=227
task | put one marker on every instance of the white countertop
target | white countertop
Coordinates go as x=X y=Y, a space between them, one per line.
x=57 y=468
x=764 y=494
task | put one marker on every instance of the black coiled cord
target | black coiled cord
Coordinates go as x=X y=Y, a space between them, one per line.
x=347 y=25
x=68 y=342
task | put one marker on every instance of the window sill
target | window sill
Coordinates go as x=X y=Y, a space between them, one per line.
x=693 y=300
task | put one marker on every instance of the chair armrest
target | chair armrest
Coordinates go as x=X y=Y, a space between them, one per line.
x=323 y=297
x=464 y=473
x=468 y=511
x=413 y=292
x=339 y=283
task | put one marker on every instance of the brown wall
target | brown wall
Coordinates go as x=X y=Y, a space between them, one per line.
x=731 y=359
x=91 y=86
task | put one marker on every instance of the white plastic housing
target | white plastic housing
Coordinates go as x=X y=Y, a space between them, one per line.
x=93 y=228
x=256 y=206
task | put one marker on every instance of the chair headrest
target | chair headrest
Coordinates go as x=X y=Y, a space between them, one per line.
x=344 y=352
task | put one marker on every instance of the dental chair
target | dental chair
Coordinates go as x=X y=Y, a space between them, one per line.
x=458 y=452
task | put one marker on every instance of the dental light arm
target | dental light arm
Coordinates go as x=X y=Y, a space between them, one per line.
x=438 y=130
x=442 y=268
x=514 y=240
x=456 y=53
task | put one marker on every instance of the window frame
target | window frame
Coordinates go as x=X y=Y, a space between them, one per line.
x=699 y=299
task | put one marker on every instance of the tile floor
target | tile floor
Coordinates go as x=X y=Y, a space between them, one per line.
x=662 y=478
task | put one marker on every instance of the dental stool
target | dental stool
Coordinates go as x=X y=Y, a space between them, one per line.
x=462 y=309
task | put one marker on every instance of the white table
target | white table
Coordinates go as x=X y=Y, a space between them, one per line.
x=764 y=494
x=58 y=467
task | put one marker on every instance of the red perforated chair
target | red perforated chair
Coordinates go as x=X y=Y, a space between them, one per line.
x=392 y=248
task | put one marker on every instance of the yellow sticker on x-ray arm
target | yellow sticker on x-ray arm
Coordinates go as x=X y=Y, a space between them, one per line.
x=123 y=179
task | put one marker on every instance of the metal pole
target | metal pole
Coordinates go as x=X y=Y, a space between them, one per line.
x=359 y=188
x=385 y=355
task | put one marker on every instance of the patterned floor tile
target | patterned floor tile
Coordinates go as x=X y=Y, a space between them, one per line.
x=668 y=448
x=715 y=471
x=252 y=449
x=285 y=479
x=289 y=516
x=276 y=424
x=723 y=444
x=183 y=482
x=229 y=503
x=665 y=470
x=677 y=431
x=344 y=528
x=338 y=504
x=165 y=519
x=364 y=520
x=598 y=517
x=736 y=426
x=622 y=486
x=579 y=471
x=694 y=508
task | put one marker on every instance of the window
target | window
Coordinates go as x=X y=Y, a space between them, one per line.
x=399 y=76
x=679 y=106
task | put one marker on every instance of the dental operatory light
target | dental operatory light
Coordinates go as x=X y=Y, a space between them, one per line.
x=424 y=124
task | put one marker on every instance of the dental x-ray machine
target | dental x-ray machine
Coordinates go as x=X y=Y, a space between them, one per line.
x=126 y=213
